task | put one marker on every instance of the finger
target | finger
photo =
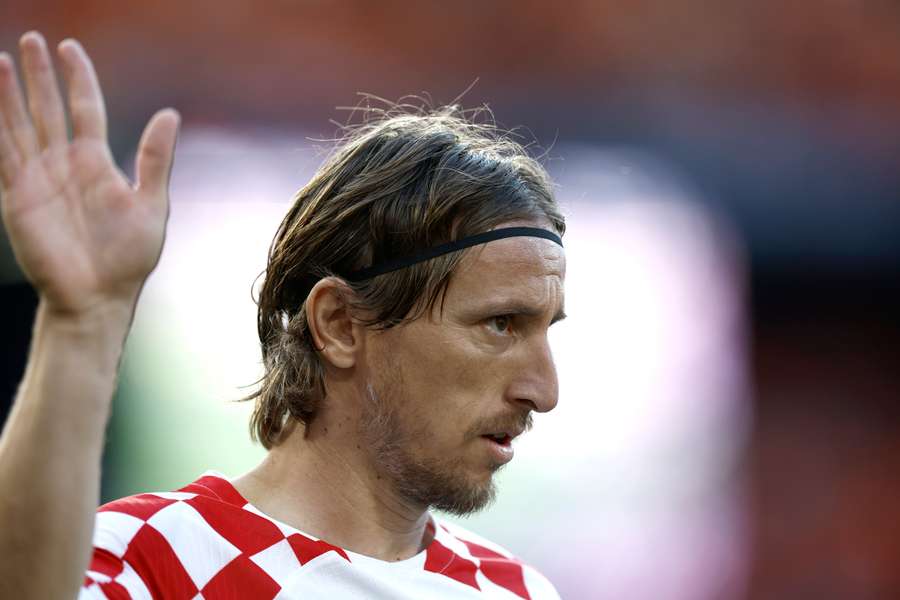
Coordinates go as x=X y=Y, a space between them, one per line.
x=9 y=154
x=9 y=159
x=156 y=152
x=14 y=117
x=85 y=98
x=43 y=93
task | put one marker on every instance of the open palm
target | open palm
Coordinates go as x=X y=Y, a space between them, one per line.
x=82 y=233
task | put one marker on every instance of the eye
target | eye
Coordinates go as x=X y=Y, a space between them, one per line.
x=501 y=324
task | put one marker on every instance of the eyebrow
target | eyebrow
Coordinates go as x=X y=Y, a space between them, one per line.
x=514 y=307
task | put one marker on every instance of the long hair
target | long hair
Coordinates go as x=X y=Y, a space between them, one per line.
x=395 y=185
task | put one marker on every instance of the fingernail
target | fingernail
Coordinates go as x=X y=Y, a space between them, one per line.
x=69 y=42
x=32 y=34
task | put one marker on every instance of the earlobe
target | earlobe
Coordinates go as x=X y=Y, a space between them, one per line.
x=330 y=324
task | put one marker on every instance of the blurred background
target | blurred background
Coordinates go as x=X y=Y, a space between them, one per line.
x=728 y=424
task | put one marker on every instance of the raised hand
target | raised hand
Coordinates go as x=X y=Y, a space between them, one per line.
x=82 y=233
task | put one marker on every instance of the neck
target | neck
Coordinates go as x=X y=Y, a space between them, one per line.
x=319 y=480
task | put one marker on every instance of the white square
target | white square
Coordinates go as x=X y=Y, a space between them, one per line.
x=98 y=577
x=174 y=495
x=113 y=531
x=278 y=561
x=201 y=550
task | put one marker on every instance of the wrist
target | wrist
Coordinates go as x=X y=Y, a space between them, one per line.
x=100 y=315
x=101 y=325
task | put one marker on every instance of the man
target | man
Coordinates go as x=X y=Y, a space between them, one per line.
x=403 y=322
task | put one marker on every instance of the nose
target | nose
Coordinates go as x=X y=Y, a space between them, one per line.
x=537 y=386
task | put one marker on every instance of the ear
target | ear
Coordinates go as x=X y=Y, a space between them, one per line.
x=335 y=334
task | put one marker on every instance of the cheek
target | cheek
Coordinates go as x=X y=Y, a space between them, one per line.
x=457 y=373
x=444 y=378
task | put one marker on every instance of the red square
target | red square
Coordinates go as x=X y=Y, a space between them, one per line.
x=241 y=579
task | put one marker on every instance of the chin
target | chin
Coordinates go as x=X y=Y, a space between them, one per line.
x=463 y=502
x=448 y=491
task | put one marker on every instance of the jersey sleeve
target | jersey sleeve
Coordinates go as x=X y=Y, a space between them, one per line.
x=112 y=578
x=110 y=575
x=129 y=560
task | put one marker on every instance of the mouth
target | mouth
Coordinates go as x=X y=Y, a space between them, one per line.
x=498 y=439
x=502 y=438
x=499 y=446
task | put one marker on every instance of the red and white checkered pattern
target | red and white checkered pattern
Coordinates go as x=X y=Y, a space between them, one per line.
x=206 y=541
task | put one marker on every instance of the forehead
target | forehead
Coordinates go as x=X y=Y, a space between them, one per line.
x=520 y=267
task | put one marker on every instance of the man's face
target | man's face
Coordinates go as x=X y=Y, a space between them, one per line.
x=477 y=365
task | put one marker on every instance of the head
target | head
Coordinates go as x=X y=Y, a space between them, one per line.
x=437 y=354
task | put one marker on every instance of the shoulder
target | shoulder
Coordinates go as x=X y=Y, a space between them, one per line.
x=496 y=563
x=178 y=543
x=206 y=509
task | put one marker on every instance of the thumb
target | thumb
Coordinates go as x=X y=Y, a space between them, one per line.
x=156 y=151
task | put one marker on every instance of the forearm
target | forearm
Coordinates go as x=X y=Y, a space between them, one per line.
x=50 y=451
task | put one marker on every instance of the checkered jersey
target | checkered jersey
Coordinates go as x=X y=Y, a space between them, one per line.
x=206 y=541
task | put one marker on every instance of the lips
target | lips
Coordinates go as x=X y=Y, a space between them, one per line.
x=504 y=435
x=502 y=430
x=500 y=438
x=500 y=448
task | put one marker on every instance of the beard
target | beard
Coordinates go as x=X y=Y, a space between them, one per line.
x=439 y=482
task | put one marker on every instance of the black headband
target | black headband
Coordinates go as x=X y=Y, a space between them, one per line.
x=395 y=264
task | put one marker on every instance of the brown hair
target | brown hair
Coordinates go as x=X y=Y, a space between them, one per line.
x=395 y=185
